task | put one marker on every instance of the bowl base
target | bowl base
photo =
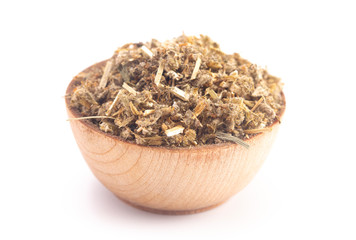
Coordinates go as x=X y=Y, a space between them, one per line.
x=172 y=212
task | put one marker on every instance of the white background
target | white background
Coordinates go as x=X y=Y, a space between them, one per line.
x=306 y=188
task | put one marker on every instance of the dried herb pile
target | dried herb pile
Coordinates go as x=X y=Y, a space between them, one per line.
x=182 y=92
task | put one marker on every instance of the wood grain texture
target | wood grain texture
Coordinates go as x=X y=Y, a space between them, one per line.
x=169 y=180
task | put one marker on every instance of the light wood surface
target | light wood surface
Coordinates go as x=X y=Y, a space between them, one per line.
x=167 y=180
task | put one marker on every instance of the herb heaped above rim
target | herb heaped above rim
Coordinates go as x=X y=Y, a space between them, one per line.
x=179 y=93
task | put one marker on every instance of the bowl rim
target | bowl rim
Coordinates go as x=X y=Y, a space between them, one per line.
x=93 y=127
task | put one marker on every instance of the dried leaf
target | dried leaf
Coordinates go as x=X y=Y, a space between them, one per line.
x=199 y=108
x=228 y=137
x=214 y=65
x=90 y=117
x=108 y=127
x=266 y=109
x=123 y=122
x=260 y=92
x=191 y=135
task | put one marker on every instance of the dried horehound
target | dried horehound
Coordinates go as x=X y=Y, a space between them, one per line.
x=182 y=92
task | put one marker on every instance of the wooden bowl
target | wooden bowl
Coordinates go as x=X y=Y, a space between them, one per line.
x=169 y=180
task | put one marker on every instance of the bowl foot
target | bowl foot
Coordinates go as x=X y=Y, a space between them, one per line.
x=171 y=212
